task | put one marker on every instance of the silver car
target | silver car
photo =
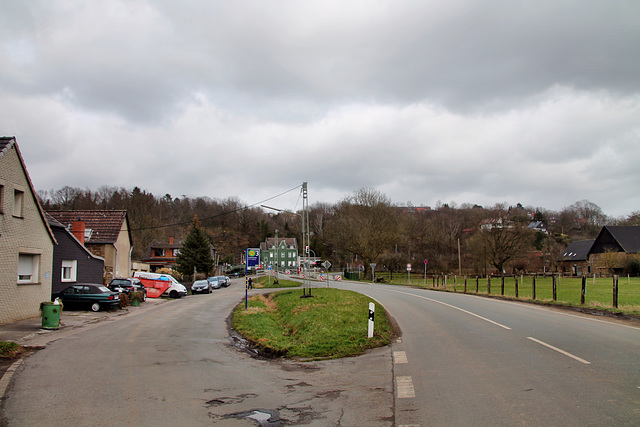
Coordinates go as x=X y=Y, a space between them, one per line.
x=215 y=282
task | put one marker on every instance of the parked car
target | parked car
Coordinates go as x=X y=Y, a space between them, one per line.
x=127 y=286
x=202 y=287
x=224 y=281
x=214 y=281
x=88 y=295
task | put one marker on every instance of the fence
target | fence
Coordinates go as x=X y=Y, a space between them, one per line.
x=599 y=292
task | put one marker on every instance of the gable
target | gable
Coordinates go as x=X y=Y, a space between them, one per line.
x=617 y=239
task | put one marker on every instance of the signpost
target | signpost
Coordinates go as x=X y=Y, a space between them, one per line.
x=409 y=272
x=252 y=260
x=426 y=261
x=372 y=310
x=373 y=272
x=327 y=265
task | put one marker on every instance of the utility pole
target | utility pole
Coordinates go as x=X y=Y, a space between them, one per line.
x=305 y=240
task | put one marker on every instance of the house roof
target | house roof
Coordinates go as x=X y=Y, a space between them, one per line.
x=577 y=251
x=626 y=237
x=270 y=243
x=8 y=142
x=55 y=224
x=105 y=226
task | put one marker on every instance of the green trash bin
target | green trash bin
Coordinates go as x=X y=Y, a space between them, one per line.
x=51 y=316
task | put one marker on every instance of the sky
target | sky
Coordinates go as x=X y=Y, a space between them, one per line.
x=428 y=102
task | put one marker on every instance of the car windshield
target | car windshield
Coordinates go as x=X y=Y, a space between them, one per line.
x=119 y=282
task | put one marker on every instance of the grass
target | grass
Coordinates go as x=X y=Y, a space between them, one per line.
x=265 y=282
x=330 y=325
x=10 y=350
x=599 y=293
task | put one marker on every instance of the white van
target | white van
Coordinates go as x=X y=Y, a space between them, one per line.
x=176 y=290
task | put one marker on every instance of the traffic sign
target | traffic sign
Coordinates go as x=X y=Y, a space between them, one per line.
x=408 y=267
x=326 y=264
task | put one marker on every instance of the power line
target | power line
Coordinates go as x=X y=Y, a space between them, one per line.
x=218 y=215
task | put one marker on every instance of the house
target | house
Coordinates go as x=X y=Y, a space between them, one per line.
x=26 y=241
x=538 y=226
x=163 y=254
x=575 y=258
x=613 y=247
x=106 y=234
x=281 y=254
x=72 y=261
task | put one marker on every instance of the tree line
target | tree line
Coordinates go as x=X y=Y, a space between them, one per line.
x=362 y=228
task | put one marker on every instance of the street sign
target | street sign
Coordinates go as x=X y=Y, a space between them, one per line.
x=326 y=264
x=253 y=257
x=408 y=267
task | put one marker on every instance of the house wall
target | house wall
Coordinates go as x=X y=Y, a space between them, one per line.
x=27 y=234
x=89 y=269
x=122 y=255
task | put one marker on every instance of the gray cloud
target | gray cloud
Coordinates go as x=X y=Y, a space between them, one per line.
x=470 y=101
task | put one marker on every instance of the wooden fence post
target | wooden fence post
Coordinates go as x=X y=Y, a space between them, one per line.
x=477 y=283
x=516 y=277
x=554 y=287
x=533 y=287
x=488 y=284
x=583 y=291
x=455 y=283
x=502 y=286
x=465 y=284
x=615 y=291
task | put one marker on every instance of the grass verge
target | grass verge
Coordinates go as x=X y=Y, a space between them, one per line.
x=330 y=325
x=10 y=350
x=266 y=282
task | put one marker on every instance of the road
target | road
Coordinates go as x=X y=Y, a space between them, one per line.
x=469 y=360
x=175 y=364
x=461 y=360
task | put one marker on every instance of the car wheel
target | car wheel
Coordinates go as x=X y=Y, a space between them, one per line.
x=174 y=294
x=144 y=297
x=95 y=307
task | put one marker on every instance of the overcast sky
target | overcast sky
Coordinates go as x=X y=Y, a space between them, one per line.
x=532 y=102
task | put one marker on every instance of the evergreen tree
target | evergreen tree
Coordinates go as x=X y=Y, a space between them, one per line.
x=196 y=251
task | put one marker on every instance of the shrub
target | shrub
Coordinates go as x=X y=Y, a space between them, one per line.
x=124 y=300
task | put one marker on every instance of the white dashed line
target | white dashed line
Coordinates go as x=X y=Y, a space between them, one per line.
x=405 y=387
x=560 y=351
x=400 y=357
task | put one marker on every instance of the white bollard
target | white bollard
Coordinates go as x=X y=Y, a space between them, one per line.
x=372 y=309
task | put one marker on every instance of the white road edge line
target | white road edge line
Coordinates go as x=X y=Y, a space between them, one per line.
x=457 y=308
x=405 y=387
x=400 y=357
x=560 y=351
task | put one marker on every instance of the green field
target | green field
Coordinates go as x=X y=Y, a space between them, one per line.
x=599 y=294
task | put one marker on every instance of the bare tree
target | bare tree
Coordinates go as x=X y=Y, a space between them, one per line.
x=364 y=225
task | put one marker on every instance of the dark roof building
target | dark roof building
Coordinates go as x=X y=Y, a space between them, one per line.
x=617 y=239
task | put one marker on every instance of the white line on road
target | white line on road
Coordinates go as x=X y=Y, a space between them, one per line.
x=405 y=387
x=400 y=357
x=560 y=351
x=457 y=308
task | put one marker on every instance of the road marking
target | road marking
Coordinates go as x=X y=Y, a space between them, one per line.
x=400 y=357
x=405 y=387
x=560 y=351
x=457 y=308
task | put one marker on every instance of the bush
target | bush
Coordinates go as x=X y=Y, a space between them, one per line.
x=137 y=296
x=124 y=300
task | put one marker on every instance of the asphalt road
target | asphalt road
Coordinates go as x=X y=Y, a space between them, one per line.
x=175 y=365
x=467 y=360
x=461 y=360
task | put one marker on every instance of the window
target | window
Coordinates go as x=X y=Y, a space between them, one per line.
x=158 y=252
x=176 y=252
x=18 y=203
x=28 y=268
x=69 y=270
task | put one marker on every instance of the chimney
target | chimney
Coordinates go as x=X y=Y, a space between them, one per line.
x=77 y=228
x=171 y=240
